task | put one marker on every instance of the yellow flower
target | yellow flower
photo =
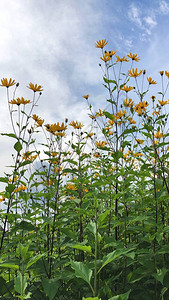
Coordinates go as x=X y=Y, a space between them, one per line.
x=105 y=57
x=38 y=120
x=158 y=135
x=7 y=83
x=96 y=155
x=13 y=179
x=89 y=135
x=139 y=141
x=101 y=144
x=101 y=44
x=58 y=169
x=71 y=187
x=99 y=113
x=35 y=87
x=56 y=128
x=111 y=122
x=167 y=74
x=19 y=101
x=131 y=120
x=27 y=156
x=76 y=124
x=54 y=154
x=111 y=53
x=134 y=73
x=20 y=188
x=50 y=182
x=2 y=198
x=155 y=112
x=162 y=103
x=120 y=114
x=134 y=57
x=127 y=88
x=92 y=117
x=128 y=102
x=138 y=154
x=96 y=175
x=141 y=107
x=161 y=73
x=121 y=59
x=151 y=81
x=86 y=96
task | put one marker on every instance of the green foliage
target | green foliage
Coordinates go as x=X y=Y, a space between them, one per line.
x=87 y=216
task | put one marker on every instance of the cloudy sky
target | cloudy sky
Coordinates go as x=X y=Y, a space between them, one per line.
x=52 y=43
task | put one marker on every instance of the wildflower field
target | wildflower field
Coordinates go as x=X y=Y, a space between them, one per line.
x=84 y=214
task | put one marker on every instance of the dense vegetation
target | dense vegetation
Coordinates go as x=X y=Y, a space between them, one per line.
x=85 y=213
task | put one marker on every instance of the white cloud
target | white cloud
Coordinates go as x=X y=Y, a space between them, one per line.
x=135 y=15
x=164 y=7
x=149 y=20
x=145 y=23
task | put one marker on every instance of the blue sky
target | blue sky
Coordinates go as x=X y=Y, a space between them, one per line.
x=52 y=43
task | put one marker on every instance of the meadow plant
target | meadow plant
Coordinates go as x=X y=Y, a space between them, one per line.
x=84 y=213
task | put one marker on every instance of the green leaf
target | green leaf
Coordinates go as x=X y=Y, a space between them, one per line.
x=82 y=271
x=160 y=274
x=18 y=146
x=20 y=284
x=10 y=135
x=33 y=260
x=109 y=80
x=92 y=227
x=9 y=266
x=113 y=255
x=68 y=232
x=27 y=226
x=83 y=248
x=50 y=287
x=103 y=216
x=91 y=298
x=4 y=179
x=10 y=188
x=108 y=115
x=124 y=296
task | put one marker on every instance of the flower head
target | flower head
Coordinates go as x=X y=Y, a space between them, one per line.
x=71 y=187
x=7 y=83
x=139 y=141
x=19 y=101
x=38 y=120
x=141 y=107
x=151 y=81
x=167 y=74
x=101 y=144
x=127 y=88
x=27 y=156
x=111 y=53
x=86 y=96
x=128 y=102
x=105 y=57
x=158 y=135
x=131 y=120
x=162 y=103
x=121 y=59
x=101 y=44
x=76 y=124
x=2 y=198
x=35 y=87
x=134 y=72
x=134 y=57
x=56 y=129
